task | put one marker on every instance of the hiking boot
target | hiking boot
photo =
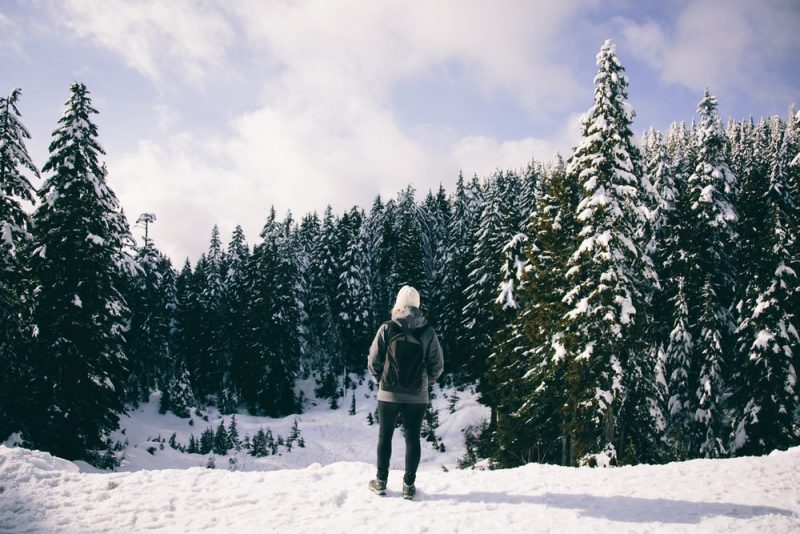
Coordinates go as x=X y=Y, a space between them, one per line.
x=409 y=491
x=378 y=486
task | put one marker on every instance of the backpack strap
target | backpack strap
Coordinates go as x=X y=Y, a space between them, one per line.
x=392 y=328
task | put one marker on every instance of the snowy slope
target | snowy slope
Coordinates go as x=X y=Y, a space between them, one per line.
x=322 y=487
x=44 y=494
x=329 y=435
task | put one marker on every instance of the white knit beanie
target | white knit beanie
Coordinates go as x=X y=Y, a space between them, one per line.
x=407 y=296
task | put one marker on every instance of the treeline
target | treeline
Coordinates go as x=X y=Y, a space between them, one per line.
x=629 y=304
x=651 y=306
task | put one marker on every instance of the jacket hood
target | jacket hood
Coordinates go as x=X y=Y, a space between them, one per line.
x=409 y=317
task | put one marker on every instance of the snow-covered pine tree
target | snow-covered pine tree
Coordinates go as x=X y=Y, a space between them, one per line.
x=407 y=264
x=79 y=260
x=712 y=276
x=765 y=397
x=527 y=369
x=606 y=272
x=148 y=337
x=15 y=331
x=531 y=186
x=275 y=345
x=186 y=335
x=676 y=323
x=236 y=310
x=215 y=363
x=356 y=324
x=323 y=281
x=373 y=241
x=466 y=202
x=435 y=215
x=498 y=223
x=790 y=149
x=677 y=364
x=660 y=175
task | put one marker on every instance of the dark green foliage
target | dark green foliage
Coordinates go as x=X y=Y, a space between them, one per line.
x=79 y=262
x=15 y=327
x=151 y=298
x=222 y=443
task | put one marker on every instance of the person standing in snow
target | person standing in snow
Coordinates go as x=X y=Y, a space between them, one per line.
x=405 y=357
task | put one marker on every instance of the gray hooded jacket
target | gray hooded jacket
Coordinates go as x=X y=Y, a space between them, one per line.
x=409 y=318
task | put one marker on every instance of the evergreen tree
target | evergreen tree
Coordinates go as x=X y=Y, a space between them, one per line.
x=675 y=325
x=206 y=443
x=214 y=378
x=79 y=260
x=323 y=281
x=527 y=370
x=407 y=264
x=435 y=217
x=498 y=224
x=149 y=334
x=15 y=333
x=607 y=272
x=274 y=336
x=711 y=187
x=222 y=442
x=765 y=398
x=178 y=395
x=354 y=296
x=235 y=314
x=461 y=233
x=373 y=242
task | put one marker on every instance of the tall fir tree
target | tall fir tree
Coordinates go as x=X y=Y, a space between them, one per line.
x=236 y=311
x=466 y=202
x=177 y=395
x=79 y=260
x=407 y=263
x=215 y=363
x=356 y=323
x=148 y=338
x=607 y=270
x=765 y=398
x=15 y=331
x=711 y=187
x=323 y=281
x=435 y=215
x=498 y=223
x=275 y=348
x=187 y=336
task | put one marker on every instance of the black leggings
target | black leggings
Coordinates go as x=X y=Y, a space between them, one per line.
x=412 y=422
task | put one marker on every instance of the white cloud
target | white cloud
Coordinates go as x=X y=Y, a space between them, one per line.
x=193 y=183
x=482 y=155
x=154 y=37
x=323 y=129
x=726 y=45
x=10 y=37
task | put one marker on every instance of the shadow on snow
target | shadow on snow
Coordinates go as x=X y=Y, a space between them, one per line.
x=621 y=508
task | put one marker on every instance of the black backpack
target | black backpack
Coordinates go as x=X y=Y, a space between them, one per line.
x=405 y=360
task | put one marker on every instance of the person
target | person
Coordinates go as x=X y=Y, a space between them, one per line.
x=405 y=357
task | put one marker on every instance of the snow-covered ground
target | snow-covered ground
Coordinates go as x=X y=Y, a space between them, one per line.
x=322 y=487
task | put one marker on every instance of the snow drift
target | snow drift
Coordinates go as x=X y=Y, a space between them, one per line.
x=40 y=493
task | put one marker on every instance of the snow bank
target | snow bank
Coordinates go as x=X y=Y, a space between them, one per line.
x=40 y=493
x=322 y=487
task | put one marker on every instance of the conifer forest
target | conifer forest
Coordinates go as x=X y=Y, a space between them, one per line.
x=634 y=301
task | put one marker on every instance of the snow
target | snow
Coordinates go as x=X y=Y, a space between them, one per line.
x=41 y=493
x=322 y=487
x=7 y=237
x=97 y=240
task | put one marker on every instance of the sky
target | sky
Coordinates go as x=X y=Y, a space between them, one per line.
x=211 y=112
